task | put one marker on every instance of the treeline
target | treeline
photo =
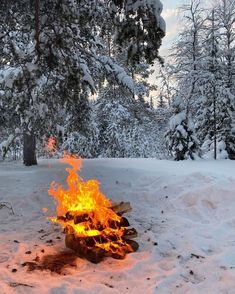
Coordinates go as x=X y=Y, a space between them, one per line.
x=70 y=75
x=201 y=77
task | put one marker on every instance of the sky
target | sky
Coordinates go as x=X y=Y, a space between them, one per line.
x=170 y=14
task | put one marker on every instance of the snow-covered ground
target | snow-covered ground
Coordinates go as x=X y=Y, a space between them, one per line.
x=184 y=213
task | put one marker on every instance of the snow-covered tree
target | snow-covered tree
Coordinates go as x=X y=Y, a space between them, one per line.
x=128 y=127
x=225 y=14
x=216 y=108
x=185 y=72
x=54 y=50
x=180 y=136
x=226 y=18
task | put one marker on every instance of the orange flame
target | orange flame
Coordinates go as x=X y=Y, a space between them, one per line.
x=51 y=145
x=84 y=200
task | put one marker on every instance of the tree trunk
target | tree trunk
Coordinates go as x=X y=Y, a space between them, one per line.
x=215 y=124
x=29 y=150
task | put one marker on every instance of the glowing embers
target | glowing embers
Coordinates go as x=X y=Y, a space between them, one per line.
x=94 y=227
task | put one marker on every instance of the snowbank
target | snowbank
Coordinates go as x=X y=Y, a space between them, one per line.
x=184 y=213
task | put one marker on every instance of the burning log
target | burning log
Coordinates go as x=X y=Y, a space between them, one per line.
x=90 y=247
x=94 y=227
x=123 y=222
x=93 y=254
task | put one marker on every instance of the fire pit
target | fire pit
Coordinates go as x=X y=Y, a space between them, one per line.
x=94 y=227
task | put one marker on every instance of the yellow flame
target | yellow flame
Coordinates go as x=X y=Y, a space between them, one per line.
x=84 y=198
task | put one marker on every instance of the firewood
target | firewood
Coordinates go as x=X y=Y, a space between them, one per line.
x=93 y=254
x=69 y=215
x=119 y=224
x=121 y=207
x=81 y=218
x=118 y=255
x=91 y=247
x=134 y=245
x=76 y=218
x=130 y=234
x=114 y=253
x=124 y=222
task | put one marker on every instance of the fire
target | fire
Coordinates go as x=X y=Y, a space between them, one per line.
x=51 y=145
x=85 y=212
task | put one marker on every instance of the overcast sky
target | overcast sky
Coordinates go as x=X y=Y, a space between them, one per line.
x=170 y=14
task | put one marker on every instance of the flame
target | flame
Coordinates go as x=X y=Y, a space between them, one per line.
x=83 y=210
x=51 y=145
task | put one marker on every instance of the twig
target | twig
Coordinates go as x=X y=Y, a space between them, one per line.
x=15 y=284
x=7 y=205
x=197 y=256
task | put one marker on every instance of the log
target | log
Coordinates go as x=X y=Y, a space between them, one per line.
x=87 y=241
x=124 y=222
x=130 y=234
x=134 y=245
x=76 y=218
x=121 y=207
x=93 y=254
x=81 y=218
x=86 y=248
x=129 y=247
x=117 y=255
x=119 y=224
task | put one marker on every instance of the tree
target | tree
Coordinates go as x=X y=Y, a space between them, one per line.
x=55 y=51
x=225 y=13
x=215 y=115
x=185 y=71
x=226 y=17
x=180 y=137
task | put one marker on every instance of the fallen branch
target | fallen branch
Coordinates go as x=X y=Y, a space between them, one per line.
x=15 y=284
x=197 y=256
x=8 y=206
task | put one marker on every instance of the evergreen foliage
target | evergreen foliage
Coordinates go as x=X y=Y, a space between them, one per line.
x=53 y=57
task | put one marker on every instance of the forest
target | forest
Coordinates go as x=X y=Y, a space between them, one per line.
x=117 y=147
x=70 y=76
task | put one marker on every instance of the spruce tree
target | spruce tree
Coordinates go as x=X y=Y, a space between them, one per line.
x=180 y=137
x=54 y=51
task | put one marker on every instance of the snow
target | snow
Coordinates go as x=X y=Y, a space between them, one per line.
x=156 y=7
x=9 y=75
x=86 y=74
x=177 y=120
x=119 y=72
x=187 y=207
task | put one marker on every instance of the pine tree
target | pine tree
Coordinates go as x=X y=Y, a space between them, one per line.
x=226 y=18
x=215 y=120
x=54 y=50
x=180 y=137
x=186 y=71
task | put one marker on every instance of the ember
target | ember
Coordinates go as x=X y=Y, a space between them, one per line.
x=94 y=227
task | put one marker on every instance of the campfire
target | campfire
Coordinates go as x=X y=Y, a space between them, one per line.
x=94 y=226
